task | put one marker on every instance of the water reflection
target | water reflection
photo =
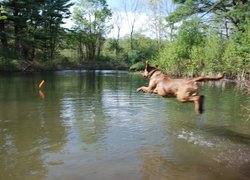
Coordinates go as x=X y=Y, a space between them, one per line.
x=93 y=125
x=29 y=127
x=42 y=95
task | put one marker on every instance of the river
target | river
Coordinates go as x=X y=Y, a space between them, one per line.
x=94 y=125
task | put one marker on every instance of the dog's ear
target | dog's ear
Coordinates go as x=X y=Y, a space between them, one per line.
x=147 y=65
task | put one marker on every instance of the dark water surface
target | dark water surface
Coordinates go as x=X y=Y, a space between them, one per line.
x=94 y=125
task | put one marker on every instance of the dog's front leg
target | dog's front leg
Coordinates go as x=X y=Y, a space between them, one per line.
x=139 y=89
x=145 y=89
x=149 y=89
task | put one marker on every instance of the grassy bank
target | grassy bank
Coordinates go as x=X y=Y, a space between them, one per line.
x=17 y=65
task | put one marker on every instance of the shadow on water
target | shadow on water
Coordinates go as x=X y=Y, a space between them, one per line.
x=227 y=133
x=160 y=167
x=245 y=169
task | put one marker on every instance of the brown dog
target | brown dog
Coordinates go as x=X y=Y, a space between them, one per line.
x=185 y=90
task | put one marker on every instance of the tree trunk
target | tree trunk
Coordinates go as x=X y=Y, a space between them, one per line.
x=227 y=31
x=93 y=51
x=81 y=52
x=131 y=37
x=3 y=35
x=100 y=44
x=32 y=54
x=117 y=43
x=17 y=31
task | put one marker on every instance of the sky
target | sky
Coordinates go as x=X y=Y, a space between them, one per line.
x=143 y=23
x=113 y=3
x=117 y=7
x=141 y=19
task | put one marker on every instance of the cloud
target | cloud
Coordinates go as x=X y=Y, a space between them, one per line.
x=125 y=21
x=122 y=20
x=68 y=23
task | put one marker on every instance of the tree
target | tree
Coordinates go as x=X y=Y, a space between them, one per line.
x=117 y=25
x=233 y=11
x=90 y=18
x=157 y=25
x=53 y=13
x=36 y=25
x=18 y=15
x=132 y=10
x=213 y=36
x=189 y=35
x=3 y=18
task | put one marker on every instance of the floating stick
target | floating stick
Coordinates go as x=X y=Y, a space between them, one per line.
x=41 y=83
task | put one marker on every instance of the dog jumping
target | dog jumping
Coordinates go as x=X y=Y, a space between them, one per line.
x=184 y=90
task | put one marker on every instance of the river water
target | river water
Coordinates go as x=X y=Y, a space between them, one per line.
x=94 y=125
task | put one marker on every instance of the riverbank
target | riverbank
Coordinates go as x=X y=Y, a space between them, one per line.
x=35 y=66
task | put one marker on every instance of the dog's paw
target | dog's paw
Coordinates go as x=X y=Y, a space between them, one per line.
x=139 y=90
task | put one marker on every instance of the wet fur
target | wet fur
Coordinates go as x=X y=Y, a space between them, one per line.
x=184 y=90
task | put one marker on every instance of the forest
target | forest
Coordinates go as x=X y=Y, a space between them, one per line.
x=187 y=38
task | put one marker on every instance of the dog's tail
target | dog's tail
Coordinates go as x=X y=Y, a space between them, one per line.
x=208 y=78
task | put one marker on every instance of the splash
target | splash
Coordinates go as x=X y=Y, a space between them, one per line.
x=194 y=138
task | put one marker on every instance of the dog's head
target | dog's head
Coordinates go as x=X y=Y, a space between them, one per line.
x=149 y=69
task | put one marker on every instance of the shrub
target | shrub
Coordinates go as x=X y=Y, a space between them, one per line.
x=139 y=66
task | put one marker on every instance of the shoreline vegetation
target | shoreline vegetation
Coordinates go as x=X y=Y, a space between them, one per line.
x=35 y=66
x=193 y=38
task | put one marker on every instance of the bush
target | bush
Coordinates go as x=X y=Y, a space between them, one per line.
x=139 y=66
x=212 y=54
x=237 y=54
x=168 y=59
x=10 y=64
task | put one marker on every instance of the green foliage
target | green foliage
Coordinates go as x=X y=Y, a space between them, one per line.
x=189 y=35
x=212 y=54
x=33 y=27
x=236 y=12
x=168 y=59
x=2 y=18
x=182 y=12
x=197 y=50
x=206 y=37
x=10 y=65
x=133 y=56
x=183 y=56
x=53 y=13
x=91 y=18
x=237 y=54
x=195 y=65
x=139 y=66
x=144 y=49
x=145 y=46
x=202 y=47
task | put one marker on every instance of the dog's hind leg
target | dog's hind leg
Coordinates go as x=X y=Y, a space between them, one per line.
x=198 y=103
x=197 y=100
